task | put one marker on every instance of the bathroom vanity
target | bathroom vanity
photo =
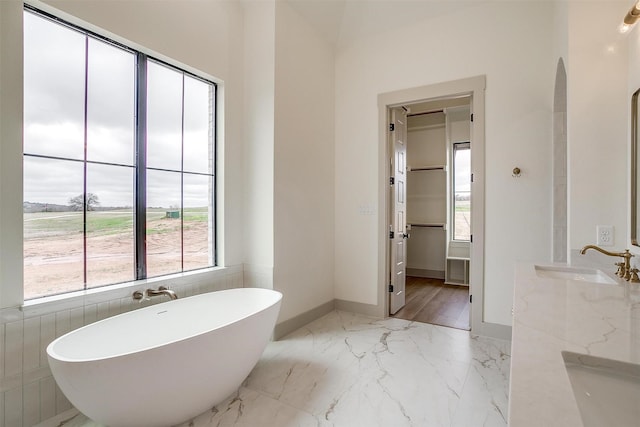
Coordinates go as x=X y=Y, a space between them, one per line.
x=575 y=348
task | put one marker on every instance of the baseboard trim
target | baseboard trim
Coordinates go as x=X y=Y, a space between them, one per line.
x=360 y=308
x=297 y=322
x=494 y=330
x=60 y=419
x=427 y=274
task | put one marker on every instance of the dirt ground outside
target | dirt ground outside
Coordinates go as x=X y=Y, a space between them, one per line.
x=53 y=256
x=463 y=225
x=54 y=252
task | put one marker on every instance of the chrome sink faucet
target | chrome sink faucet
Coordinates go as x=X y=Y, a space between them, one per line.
x=624 y=269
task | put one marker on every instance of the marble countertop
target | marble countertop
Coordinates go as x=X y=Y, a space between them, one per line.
x=552 y=315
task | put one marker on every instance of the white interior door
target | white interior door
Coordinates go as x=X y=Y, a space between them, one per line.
x=398 y=226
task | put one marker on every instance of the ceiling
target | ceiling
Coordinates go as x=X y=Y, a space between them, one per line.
x=342 y=21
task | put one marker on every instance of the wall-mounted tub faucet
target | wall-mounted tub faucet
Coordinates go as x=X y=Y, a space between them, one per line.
x=162 y=290
x=139 y=296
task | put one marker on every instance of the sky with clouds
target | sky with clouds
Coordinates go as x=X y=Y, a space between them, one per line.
x=54 y=113
x=462 y=170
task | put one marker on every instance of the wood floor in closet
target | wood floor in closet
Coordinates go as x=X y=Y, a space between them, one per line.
x=431 y=301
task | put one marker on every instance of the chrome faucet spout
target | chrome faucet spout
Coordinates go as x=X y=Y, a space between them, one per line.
x=162 y=290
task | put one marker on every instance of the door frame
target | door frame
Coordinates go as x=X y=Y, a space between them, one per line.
x=474 y=87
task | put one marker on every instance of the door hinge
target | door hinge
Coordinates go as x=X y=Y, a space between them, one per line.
x=470 y=299
x=471 y=116
x=392 y=127
x=392 y=180
x=390 y=288
x=471 y=177
x=392 y=235
x=471 y=238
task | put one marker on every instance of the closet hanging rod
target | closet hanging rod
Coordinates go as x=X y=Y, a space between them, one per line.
x=428 y=225
x=424 y=113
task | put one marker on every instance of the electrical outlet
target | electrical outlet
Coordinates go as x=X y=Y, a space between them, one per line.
x=605 y=235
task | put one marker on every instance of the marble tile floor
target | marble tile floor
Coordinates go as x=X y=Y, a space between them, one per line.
x=348 y=370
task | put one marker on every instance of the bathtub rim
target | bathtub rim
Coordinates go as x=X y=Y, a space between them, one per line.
x=65 y=359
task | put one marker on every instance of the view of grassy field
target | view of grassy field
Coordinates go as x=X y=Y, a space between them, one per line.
x=54 y=247
x=41 y=224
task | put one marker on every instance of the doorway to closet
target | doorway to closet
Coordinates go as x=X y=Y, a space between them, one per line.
x=431 y=175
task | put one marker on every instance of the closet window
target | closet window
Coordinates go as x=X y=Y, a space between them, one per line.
x=461 y=211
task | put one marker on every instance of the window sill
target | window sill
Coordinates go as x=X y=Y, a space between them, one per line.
x=51 y=304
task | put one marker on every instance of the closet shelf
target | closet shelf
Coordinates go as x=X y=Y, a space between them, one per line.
x=427 y=168
x=418 y=197
x=428 y=224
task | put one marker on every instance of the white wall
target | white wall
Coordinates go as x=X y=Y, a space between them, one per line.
x=560 y=46
x=515 y=55
x=426 y=195
x=426 y=190
x=259 y=128
x=459 y=124
x=303 y=172
x=597 y=123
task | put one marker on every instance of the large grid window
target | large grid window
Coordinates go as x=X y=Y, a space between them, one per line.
x=461 y=191
x=119 y=167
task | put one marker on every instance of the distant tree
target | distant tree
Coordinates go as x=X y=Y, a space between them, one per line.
x=77 y=202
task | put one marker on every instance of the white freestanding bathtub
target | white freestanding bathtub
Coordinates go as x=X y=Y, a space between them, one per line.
x=163 y=364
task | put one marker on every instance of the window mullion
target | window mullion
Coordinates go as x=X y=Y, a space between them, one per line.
x=141 y=167
x=84 y=178
x=182 y=182
x=213 y=99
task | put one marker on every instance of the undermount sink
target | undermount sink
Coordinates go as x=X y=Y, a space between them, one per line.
x=607 y=391
x=573 y=273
